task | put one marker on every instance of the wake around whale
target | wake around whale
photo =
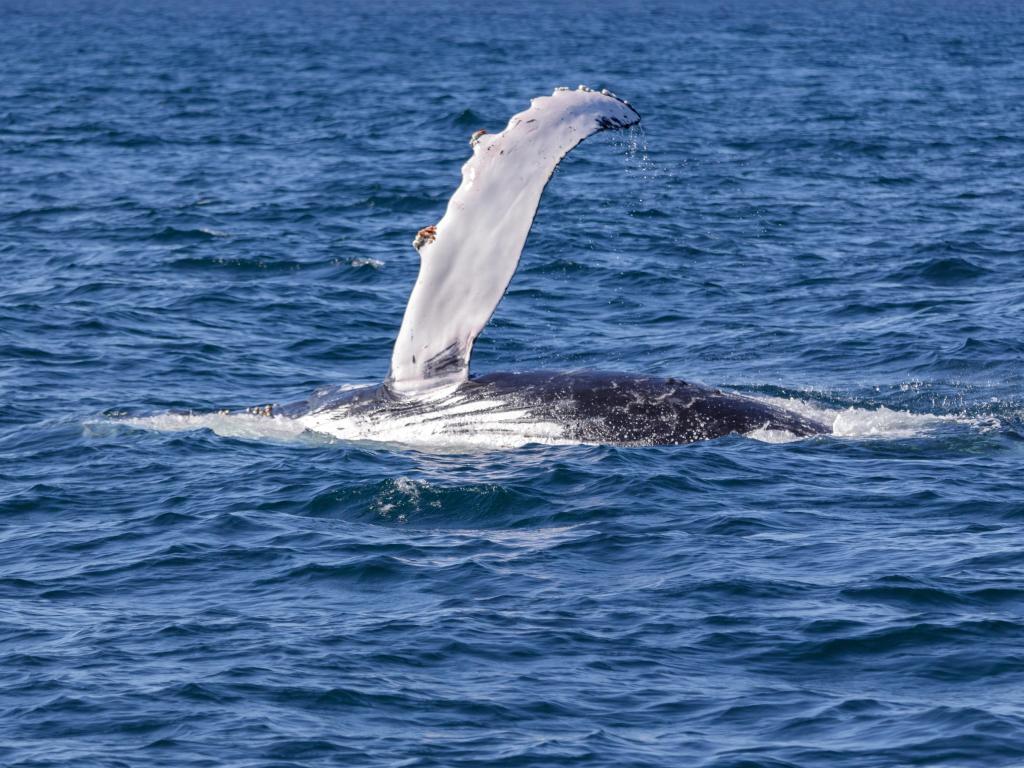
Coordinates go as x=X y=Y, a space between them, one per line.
x=466 y=263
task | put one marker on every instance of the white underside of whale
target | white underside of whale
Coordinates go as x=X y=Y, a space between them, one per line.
x=453 y=420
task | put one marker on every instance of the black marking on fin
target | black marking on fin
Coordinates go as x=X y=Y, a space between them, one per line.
x=609 y=123
x=447 y=360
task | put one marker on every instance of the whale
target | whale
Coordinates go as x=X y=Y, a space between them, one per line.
x=467 y=261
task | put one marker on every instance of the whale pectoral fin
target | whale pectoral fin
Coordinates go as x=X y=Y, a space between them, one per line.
x=469 y=258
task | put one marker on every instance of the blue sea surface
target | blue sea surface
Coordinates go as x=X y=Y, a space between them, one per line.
x=209 y=205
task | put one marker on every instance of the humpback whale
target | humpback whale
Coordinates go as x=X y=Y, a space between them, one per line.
x=467 y=261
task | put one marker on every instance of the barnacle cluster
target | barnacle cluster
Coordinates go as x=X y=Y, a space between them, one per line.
x=424 y=236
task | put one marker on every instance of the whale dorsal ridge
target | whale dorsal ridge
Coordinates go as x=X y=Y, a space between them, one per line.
x=467 y=261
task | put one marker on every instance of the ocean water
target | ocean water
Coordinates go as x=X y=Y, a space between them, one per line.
x=210 y=205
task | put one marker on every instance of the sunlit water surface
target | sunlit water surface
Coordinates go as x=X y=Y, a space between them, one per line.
x=209 y=205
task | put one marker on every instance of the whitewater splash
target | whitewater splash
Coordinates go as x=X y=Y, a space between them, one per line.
x=241 y=425
x=862 y=423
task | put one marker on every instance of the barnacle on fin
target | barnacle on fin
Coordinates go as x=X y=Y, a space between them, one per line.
x=424 y=236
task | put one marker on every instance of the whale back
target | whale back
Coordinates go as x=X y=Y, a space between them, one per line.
x=512 y=409
x=466 y=268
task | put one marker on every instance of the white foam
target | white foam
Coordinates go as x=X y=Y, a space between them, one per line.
x=243 y=425
x=764 y=435
x=853 y=422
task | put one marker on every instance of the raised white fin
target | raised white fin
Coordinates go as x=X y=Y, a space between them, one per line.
x=468 y=261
